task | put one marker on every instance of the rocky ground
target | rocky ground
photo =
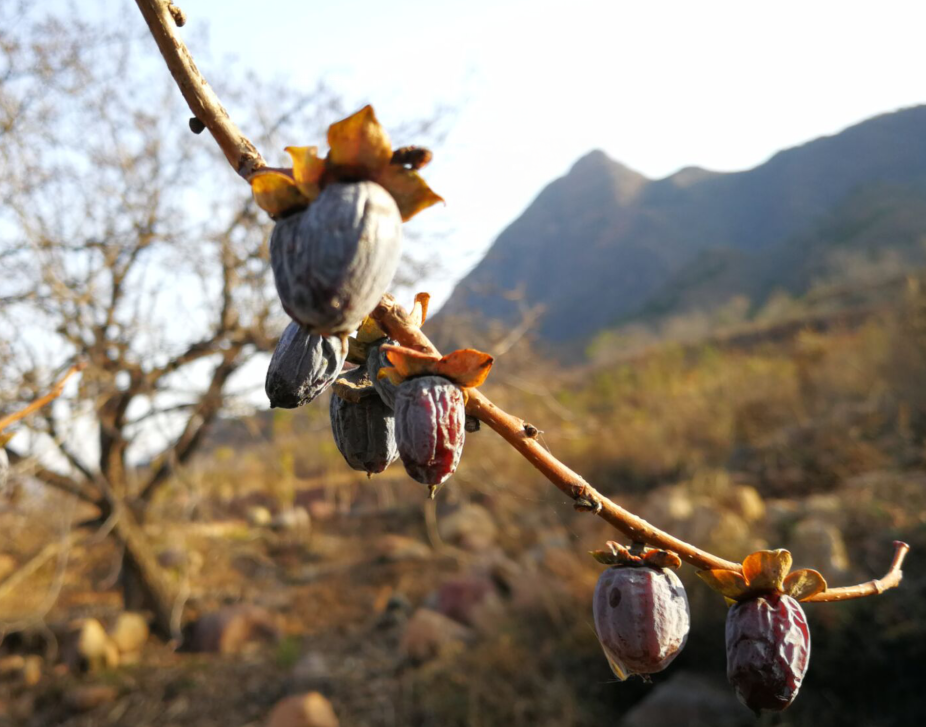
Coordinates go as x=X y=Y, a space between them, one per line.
x=363 y=619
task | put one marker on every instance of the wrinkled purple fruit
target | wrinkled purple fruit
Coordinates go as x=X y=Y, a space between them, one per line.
x=768 y=650
x=333 y=262
x=430 y=419
x=642 y=618
x=364 y=431
x=377 y=360
x=302 y=367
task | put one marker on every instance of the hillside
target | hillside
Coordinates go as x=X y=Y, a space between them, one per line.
x=605 y=245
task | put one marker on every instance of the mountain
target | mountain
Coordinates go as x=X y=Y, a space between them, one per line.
x=605 y=245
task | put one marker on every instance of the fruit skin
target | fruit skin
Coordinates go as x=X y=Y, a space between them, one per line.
x=302 y=367
x=430 y=419
x=376 y=360
x=768 y=650
x=333 y=262
x=363 y=431
x=642 y=618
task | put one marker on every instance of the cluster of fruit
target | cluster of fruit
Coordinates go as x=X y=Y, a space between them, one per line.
x=642 y=619
x=334 y=251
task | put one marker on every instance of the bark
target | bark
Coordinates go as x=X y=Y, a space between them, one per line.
x=145 y=585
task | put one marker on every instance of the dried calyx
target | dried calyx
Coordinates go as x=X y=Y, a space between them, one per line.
x=636 y=557
x=360 y=151
x=765 y=572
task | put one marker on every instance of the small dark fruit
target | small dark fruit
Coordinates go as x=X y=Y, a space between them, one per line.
x=430 y=420
x=642 y=618
x=364 y=431
x=333 y=262
x=302 y=367
x=768 y=650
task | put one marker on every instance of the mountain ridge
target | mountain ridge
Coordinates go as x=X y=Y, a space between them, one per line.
x=604 y=243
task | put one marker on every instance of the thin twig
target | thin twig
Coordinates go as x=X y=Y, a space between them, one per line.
x=32 y=565
x=240 y=152
x=891 y=579
x=42 y=401
x=400 y=326
x=397 y=324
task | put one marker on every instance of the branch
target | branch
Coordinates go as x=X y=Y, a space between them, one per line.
x=396 y=322
x=200 y=418
x=240 y=152
x=398 y=325
x=42 y=401
x=57 y=481
x=891 y=579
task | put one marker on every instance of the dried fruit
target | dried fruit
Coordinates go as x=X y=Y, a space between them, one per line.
x=303 y=365
x=364 y=430
x=376 y=360
x=642 y=618
x=333 y=262
x=430 y=420
x=768 y=650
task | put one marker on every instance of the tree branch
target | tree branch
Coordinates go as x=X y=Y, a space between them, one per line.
x=200 y=419
x=398 y=325
x=41 y=401
x=57 y=481
x=891 y=579
x=240 y=152
x=396 y=322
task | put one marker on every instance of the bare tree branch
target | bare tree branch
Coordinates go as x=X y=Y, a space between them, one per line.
x=57 y=481
x=200 y=97
x=53 y=394
x=200 y=418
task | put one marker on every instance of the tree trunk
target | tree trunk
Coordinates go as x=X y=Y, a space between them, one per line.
x=145 y=585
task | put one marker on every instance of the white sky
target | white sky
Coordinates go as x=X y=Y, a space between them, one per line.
x=657 y=85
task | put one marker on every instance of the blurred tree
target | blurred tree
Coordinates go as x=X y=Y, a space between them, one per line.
x=120 y=247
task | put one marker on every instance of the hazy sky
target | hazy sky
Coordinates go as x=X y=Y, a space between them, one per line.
x=535 y=85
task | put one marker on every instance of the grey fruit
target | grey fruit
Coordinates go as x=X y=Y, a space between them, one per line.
x=333 y=262
x=302 y=367
x=642 y=618
x=364 y=431
x=376 y=360
x=430 y=419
